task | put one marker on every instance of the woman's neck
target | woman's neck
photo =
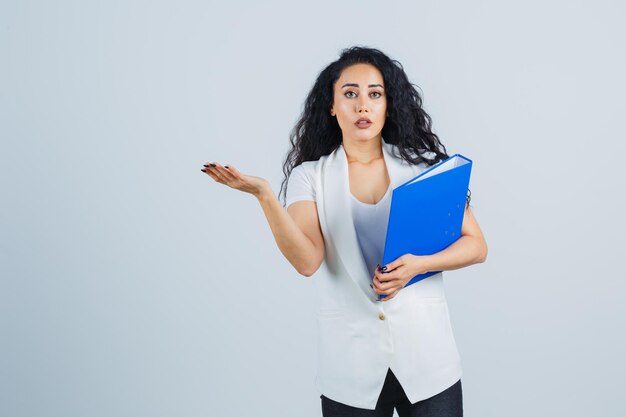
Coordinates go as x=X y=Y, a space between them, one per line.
x=363 y=152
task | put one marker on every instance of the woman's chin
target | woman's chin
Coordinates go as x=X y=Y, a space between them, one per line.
x=365 y=136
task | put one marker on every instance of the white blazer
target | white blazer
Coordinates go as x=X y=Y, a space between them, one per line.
x=359 y=338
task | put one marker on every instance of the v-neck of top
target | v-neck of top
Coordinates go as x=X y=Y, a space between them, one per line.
x=387 y=193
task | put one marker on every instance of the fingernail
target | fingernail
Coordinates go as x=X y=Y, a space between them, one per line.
x=384 y=268
x=377 y=266
x=371 y=286
x=206 y=165
x=226 y=166
x=203 y=171
x=213 y=165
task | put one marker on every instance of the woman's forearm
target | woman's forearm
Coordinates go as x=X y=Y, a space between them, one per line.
x=467 y=250
x=291 y=241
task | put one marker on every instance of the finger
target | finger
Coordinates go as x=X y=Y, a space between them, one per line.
x=232 y=170
x=234 y=173
x=385 y=276
x=385 y=296
x=214 y=173
x=389 y=286
x=379 y=293
x=376 y=281
x=383 y=287
x=393 y=265
x=211 y=174
x=376 y=287
x=223 y=172
x=378 y=274
x=390 y=296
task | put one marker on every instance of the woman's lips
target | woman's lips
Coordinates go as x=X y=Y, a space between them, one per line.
x=363 y=124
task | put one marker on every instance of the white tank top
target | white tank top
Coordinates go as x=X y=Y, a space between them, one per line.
x=370 y=223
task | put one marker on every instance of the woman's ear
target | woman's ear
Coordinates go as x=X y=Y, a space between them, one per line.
x=332 y=112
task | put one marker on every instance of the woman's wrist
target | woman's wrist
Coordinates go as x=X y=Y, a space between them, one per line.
x=264 y=192
x=421 y=264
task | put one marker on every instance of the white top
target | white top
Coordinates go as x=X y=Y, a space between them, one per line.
x=299 y=187
x=370 y=223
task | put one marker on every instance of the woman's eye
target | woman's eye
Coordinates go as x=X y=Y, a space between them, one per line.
x=350 y=94
x=376 y=94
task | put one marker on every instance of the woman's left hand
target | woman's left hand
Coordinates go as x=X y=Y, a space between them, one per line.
x=397 y=274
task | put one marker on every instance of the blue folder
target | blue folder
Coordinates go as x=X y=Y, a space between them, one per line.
x=427 y=212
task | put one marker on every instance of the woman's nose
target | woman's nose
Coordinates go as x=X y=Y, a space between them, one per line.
x=361 y=107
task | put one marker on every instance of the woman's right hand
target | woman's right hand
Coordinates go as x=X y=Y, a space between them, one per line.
x=234 y=179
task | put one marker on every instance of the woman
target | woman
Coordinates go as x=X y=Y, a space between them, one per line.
x=363 y=132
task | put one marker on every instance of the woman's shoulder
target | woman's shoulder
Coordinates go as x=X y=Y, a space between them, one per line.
x=310 y=168
x=306 y=167
x=305 y=172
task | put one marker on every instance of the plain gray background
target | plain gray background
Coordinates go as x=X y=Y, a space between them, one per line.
x=134 y=285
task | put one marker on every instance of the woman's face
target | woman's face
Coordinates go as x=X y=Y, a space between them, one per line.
x=359 y=102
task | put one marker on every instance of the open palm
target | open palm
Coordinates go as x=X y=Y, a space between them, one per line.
x=233 y=178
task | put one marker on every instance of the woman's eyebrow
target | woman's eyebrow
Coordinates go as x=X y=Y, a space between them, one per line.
x=356 y=85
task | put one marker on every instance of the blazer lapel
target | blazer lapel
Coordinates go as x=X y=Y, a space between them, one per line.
x=338 y=210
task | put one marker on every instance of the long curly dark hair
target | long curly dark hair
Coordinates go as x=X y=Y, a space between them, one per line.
x=408 y=126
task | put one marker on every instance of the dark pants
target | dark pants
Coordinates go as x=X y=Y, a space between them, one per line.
x=448 y=403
